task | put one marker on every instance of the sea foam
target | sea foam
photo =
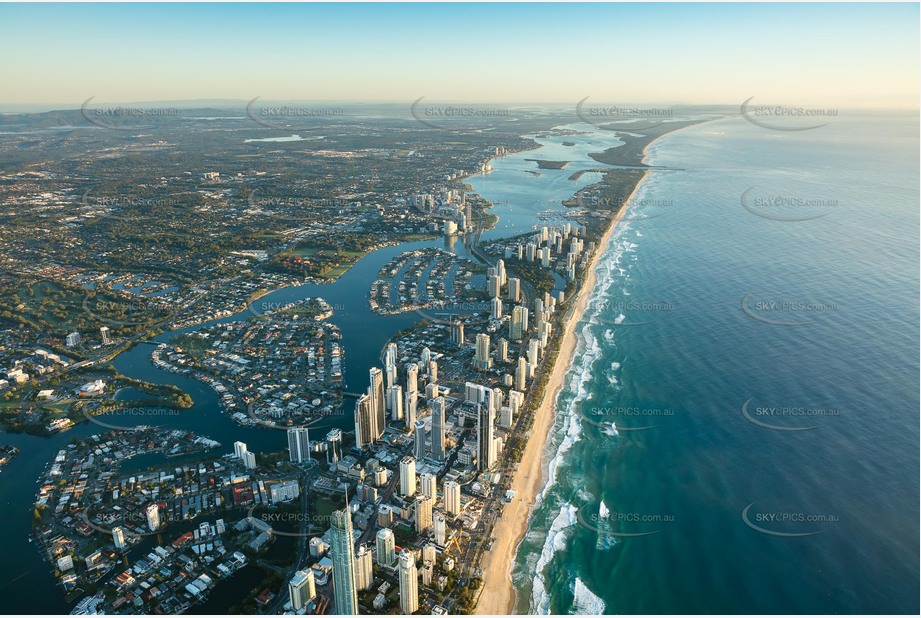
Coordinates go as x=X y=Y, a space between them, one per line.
x=555 y=541
x=585 y=602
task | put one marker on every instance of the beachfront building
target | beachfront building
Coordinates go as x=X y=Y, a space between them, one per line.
x=521 y=373
x=486 y=449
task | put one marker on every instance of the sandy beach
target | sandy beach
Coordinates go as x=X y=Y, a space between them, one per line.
x=499 y=594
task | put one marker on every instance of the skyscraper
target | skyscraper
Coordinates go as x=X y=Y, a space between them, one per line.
x=302 y=589
x=378 y=405
x=518 y=324
x=334 y=437
x=429 y=552
x=521 y=372
x=457 y=332
x=410 y=402
x=153 y=516
x=364 y=571
x=438 y=428
x=238 y=449
x=390 y=354
x=407 y=477
x=475 y=393
x=342 y=553
x=452 y=495
x=515 y=401
x=412 y=377
x=514 y=289
x=440 y=525
x=419 y=440
x=423 y=513
x=505 y=417
x=482 y=361
x=429 y=484
x=385 y=545
x=533 y=351
x=495 y=309
x=104 y=333
x=409 y=584
x=502 y=349
x=298 y=445
x=395 y=402
x=118 y=536
x=485 y=448
x=364 y=422
x=390 y=375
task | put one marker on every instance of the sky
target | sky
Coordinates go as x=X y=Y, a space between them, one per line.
x=832 y=55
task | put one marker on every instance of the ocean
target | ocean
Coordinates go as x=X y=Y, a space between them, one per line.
x=738 y=432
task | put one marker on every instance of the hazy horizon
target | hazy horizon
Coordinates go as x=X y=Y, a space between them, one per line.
x=822 y=55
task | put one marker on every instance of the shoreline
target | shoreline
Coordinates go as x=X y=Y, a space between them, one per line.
x=499 y=594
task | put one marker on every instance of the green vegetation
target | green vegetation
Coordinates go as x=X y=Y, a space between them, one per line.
x=533 y=272
x=549 y=165
x=635 y=142
x=59 y=308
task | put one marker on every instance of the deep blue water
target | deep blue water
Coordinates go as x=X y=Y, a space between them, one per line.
x=686 y=329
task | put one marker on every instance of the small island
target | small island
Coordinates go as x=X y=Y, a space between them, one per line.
x=549 y=165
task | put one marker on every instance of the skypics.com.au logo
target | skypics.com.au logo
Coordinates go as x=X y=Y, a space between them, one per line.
x=780 y=207
x=125 y=118
x=627 y=118
x=781 y=312
x=146 y=416
x=785 y=117
x=775 y=417
x=289 y=117
x=787 y=523
x=452 y=117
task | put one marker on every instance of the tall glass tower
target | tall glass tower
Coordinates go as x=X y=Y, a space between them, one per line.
x=342 y=548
